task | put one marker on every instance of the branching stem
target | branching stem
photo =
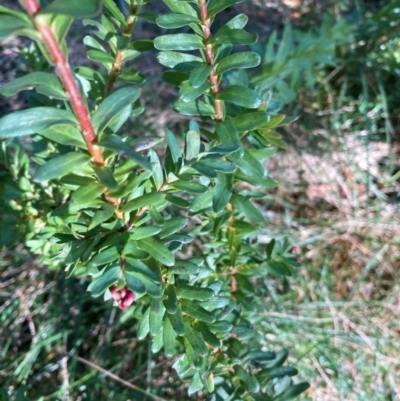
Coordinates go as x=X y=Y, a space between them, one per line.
x=67 y=78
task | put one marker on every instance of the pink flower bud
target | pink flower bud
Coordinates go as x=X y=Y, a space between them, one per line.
x=115 y=293
x=122 y=291
x=128 y=300
x=294 y=249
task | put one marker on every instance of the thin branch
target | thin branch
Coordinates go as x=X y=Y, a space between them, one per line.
x=219 y=115
x=67 y=78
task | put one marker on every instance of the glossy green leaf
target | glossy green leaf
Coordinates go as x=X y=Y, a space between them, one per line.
x=205 y=170
x=100 y=56
x=196 y=311
x=245 y=207
x=135 y=284
x=158 y=174
x=227 y=36
x=180 y=7
x=102 y=215
x=250 y=121
x=192 y=145
x=42 y=81
x=209 y=337
x=191 y=187
x=113 y=142
x=169 y=337
x=144 y=328
x=174 y=60
x=241 y=96
x=65 y=135
x=106 y=280
x=184 y=267
x=106 y=256
x=145 y=200
x=172 y=226
x=249 y=165
x=239 y=60
x=176 y=320
x=193 y=293
x=187 y=93
x=216 y=6
x=195 y=339
x=157 y=250
x=292 y=392
x=172 y=21
x=33 y=120
x=157 y=311
x=222 y=326
x=137 y=266
x=229 y=135
x=248 y=379
x=87 y=193
x=173 y=148
x=199 y=75
x=179 y=41
x=195 y=108
x=11 y=24
x=74 y=8
x=143 y=232
x=182 y=203
x=238 y=22
x=61 y=165
x=171 y=303
x=220 y=165
x=222 y=191
x=111 y=107
x=106 y=177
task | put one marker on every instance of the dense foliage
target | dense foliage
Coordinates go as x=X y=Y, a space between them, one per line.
x=169 y=232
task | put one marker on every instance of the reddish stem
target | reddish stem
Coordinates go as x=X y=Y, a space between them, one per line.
x=64 y=72
x=210 y=58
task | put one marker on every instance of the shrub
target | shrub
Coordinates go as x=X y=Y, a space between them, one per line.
x=171 y=234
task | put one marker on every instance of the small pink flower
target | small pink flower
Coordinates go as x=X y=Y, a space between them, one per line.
x=294 y=249
x=115 y=293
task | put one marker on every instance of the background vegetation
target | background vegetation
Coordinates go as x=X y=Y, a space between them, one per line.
x=335 y=64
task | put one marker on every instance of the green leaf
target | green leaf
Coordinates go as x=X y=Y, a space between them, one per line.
x=239 y=60
x=223 y=326
x=174 y=148
x=61 y=165
x=158 y=174
x=186 y=291
x=100 y=56
x=208 y=336
x=145 y=200
x=187 y=93
x=204 y=169
x=292 y=392
x=196 y=311
x=227 y=36
x=11 y=21
x=180 y=7
x=229 y=135
x=219 y=165
x=74 y=8
x=241 y=96
x=182 y=203
x=137 y=266
x=106 y=280
x=106 y=177
x=106 y=256
x=143 y=232
x=249 y=380
x=192 y=147
x=216 y=6
x=245 y=207
x=157 y=311
x=238 y=22
x=176 y=320
x=222 y=191
x=184 y=267
x=172 y=226
x=115 y=143
x=157 y=250
x=87 y=193
x=102 y=215
x=179 y=41
x=249 y=165
x=169 y=337
x=64 y=134
x=34 y=120
x=194 y=108
x=174 y=59
x=144 y=328
x=171 y=303
x=172 y=21
x=42 y=81
x=191 y=187
x=250 y=121
x=199 y=75
x=195 y=339
x=111 y=107
x=175 y=78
